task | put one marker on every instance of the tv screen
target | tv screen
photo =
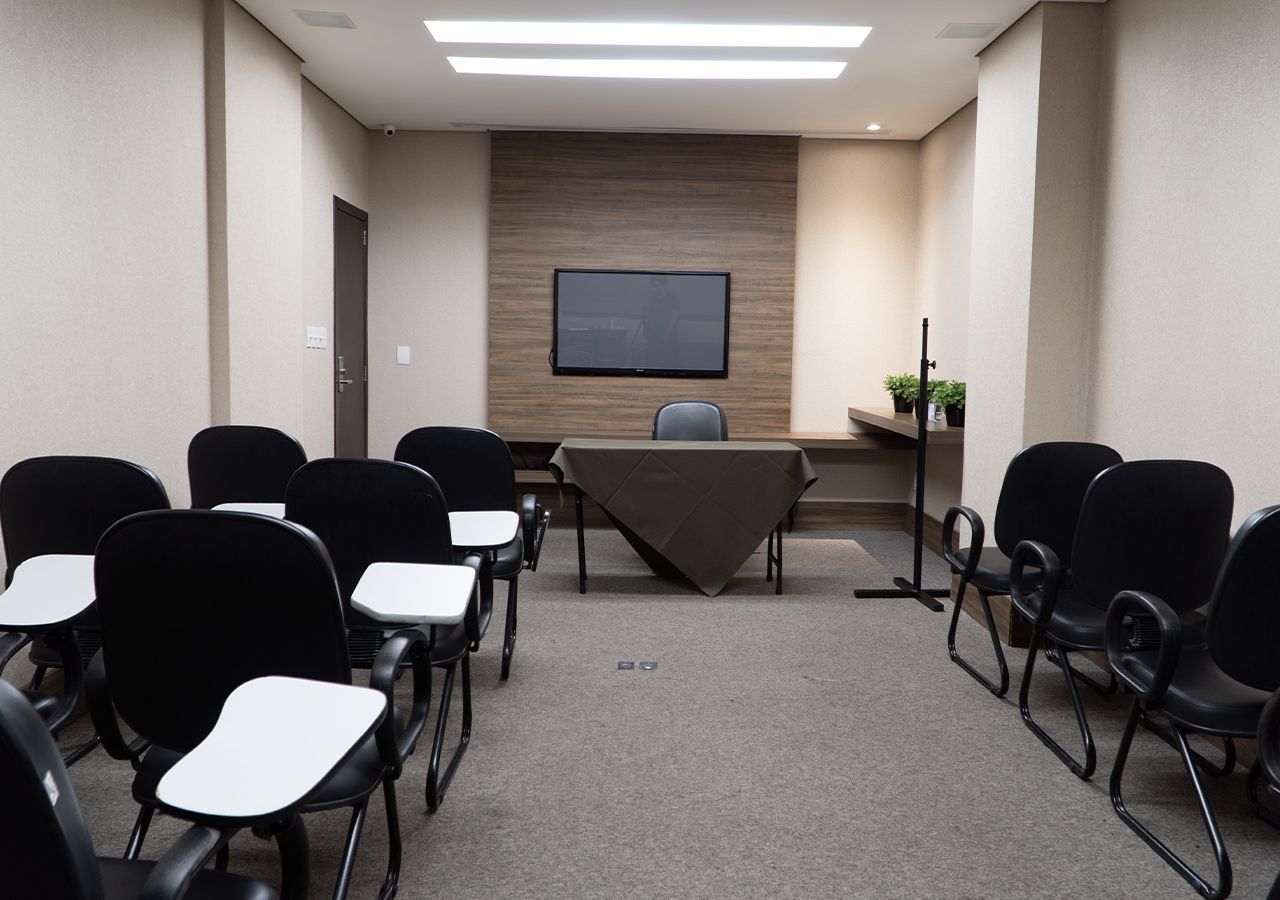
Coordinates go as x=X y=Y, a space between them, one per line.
x=615 y=322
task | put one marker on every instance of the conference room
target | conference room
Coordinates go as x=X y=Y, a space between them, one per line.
x=1075 y=195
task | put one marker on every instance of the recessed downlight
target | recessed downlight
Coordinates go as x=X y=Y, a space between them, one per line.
x=874 y=126
x=646 y=34
x=729 y=69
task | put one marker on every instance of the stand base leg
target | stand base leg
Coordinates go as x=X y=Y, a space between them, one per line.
x=905 y=589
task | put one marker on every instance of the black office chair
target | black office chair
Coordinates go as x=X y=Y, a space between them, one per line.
x=241 y=463
x=45 y=846
x=374 y=510
x=1218 y=687
x=63 y=504
x=1149 y=525
x=236 y=596
x=1039 y=501
x=690 y=420
x=473 y=466
x=1269 y=760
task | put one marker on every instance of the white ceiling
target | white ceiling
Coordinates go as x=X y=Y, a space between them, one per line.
x=390 y=70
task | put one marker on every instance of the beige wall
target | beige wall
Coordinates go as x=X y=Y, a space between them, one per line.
x=263 y=182
x=428 y=282
x=104 y=280
x=857 y=225
x=335 y=162
x=1185 y=319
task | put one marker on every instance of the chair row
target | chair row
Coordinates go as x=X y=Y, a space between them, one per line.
x=1135 y=560
x=354 y=515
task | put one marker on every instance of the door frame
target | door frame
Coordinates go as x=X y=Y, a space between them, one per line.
x=342 y=206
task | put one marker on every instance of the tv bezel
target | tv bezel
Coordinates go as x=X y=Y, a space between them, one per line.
x=557 y=369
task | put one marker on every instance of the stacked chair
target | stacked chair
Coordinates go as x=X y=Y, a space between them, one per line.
x=62 y=505
x=1040 y=500
x=1216 y=681
x=368 y=511
x=237 y=596
x=474 y=469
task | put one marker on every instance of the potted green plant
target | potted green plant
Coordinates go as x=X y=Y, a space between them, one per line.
x=903 y=389
x=950 y=395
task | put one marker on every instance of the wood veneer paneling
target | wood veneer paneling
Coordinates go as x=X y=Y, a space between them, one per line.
x=639 y=201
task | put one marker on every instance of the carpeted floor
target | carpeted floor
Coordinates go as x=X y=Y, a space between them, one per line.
x=808 y=745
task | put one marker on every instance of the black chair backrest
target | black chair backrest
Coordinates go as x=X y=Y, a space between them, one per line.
x=1244 y=619
x=367 y=511
x=241 y=463
x=1043 y=489
x=690 y=420
x=472 y=465
x=1153 y=525
x=63 y=504
x=45 y=848
x=196 y=602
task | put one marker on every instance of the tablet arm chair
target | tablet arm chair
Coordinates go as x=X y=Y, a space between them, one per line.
x=1040 y=500
x=62 y=505
x=1220 y=686
x=368 y=511
x=1152 y=525
x=473 y=467
x=238 y=596
x=241 y=463
x=46 y=849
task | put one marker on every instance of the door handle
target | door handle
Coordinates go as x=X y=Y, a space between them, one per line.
x=342 y=372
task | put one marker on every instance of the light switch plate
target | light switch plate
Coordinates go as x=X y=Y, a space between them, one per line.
x=402 y=356
x=317 y=337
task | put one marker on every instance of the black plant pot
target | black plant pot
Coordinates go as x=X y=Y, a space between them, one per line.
x=902 y=404
x=955 y=416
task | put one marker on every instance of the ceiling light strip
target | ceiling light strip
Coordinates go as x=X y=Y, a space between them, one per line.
x=647 y=34
x=730 y=69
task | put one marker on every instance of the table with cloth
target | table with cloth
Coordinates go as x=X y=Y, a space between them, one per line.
x=692 y=508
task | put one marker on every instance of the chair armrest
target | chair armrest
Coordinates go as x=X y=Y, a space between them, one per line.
x=181 y=863
x=411 y=645
x=978 y=533
x=1268 y=738
x=103 y=714
x=1046 y=560
x=1124 y=604
x=534 y=521
x=482 y=563
x=11 y=643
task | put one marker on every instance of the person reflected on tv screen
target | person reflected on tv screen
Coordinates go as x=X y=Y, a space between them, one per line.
x=657 y=345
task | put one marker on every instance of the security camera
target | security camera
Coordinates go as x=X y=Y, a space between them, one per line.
x=388 y=130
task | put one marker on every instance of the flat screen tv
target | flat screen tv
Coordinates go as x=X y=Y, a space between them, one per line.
x=627 y=322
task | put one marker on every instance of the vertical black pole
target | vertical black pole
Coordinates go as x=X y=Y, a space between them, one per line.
x=904 y=588
x=922 y=441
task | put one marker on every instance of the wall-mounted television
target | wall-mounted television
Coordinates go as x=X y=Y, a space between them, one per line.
x=629 y=322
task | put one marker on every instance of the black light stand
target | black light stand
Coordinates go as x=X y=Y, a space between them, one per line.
x=912 y=588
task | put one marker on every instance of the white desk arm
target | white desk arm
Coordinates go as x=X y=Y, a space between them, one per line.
x=274 y=745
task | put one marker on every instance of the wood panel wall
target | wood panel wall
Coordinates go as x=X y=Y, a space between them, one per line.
x=639 y=201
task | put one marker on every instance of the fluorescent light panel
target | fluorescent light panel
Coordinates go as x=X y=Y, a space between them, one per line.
x=647 y=68
x=647 y=34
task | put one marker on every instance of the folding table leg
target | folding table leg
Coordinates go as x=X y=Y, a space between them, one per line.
x=582 y=545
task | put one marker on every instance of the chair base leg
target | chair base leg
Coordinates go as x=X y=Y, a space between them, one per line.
x=349 y=851
x=437 y=781
x=1255 y=798
x=139 y=834
x=1206 y=814
x=1003 y=687
x=82 y=751
x=509 y=638
x=1082 y=770
x=394 y=849
x=1216 y=771
x=1097 y=687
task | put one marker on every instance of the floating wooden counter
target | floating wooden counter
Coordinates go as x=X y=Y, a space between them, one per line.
x=904 y=424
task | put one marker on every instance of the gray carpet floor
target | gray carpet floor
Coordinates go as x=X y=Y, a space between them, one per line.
x=807 y=745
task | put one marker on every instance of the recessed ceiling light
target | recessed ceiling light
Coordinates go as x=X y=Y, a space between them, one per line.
x=873 y=126
x=647 y=34
x=325 y=19
x=647 y=68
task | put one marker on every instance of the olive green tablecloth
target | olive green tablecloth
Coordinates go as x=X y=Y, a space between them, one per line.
x=705 y=506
